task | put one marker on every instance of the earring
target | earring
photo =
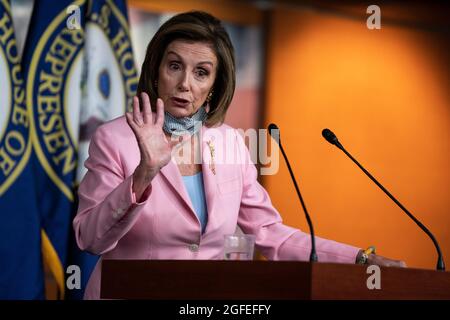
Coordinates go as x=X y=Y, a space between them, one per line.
x=208 y=98
x=156 y=83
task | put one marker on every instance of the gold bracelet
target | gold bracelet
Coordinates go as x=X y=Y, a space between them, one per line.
x=365 y=255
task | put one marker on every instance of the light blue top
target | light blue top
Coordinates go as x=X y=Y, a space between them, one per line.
x=195 y=188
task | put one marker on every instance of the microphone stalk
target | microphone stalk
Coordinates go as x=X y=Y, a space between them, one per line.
x=276 y=136
x=331 y=138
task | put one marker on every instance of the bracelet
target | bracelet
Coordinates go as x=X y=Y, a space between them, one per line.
x=365 y=255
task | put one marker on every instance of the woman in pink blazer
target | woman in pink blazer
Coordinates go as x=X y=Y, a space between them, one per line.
x=136 y=202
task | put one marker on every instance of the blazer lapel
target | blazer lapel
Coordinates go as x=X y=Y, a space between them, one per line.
x=173 y=177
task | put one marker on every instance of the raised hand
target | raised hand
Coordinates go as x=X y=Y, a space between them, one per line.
x=155 y=148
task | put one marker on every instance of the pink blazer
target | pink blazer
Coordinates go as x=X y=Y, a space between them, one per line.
x=111 y=223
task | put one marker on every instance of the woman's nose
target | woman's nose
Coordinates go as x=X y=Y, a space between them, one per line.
x=183 y=84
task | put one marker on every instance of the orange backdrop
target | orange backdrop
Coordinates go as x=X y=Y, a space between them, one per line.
x=385 y=93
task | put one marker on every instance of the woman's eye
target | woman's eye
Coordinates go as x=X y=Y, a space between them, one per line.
x=174 y=66
x=202 y=73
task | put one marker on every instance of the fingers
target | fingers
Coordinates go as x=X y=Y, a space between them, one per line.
x=130 y=120
x=144 y=116
x=147 y=110
x=159 y=112
x=395 y=263
x=137 y=116
x=385 y=262
x=398 y=264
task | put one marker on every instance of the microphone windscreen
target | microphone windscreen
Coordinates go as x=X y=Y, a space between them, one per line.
x=272 y=126
x=274 y=132
x=329 y=136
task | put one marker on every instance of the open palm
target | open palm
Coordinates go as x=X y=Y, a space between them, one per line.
x=154 y=146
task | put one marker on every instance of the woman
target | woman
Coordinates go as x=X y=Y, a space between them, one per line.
x=135 y=203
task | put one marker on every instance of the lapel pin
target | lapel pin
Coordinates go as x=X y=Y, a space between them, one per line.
x=212 y=165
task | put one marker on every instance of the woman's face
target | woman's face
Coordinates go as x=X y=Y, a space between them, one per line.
x=186 y=76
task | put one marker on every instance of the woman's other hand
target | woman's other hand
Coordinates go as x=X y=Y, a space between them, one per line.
x=381 y=261
x=385 y=262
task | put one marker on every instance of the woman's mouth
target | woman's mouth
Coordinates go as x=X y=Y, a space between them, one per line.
x=179 y=102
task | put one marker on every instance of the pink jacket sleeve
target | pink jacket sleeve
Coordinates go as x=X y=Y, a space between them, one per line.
x=275 y=240
x=107 y=206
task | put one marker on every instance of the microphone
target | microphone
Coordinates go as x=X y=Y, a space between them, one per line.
x=275 y=133
x=331 y=138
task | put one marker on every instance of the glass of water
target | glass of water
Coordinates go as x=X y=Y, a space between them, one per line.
x=239 y=246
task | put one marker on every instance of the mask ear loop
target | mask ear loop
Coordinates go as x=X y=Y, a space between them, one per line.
x=207 y=107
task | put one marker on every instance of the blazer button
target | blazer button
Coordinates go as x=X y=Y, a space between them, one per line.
x=117 y=213
x=193 y=247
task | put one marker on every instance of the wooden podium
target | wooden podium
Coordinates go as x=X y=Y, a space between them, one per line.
x=263 y=280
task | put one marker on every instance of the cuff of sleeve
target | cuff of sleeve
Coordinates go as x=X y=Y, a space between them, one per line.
x=354 y=254
x=144 y=197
